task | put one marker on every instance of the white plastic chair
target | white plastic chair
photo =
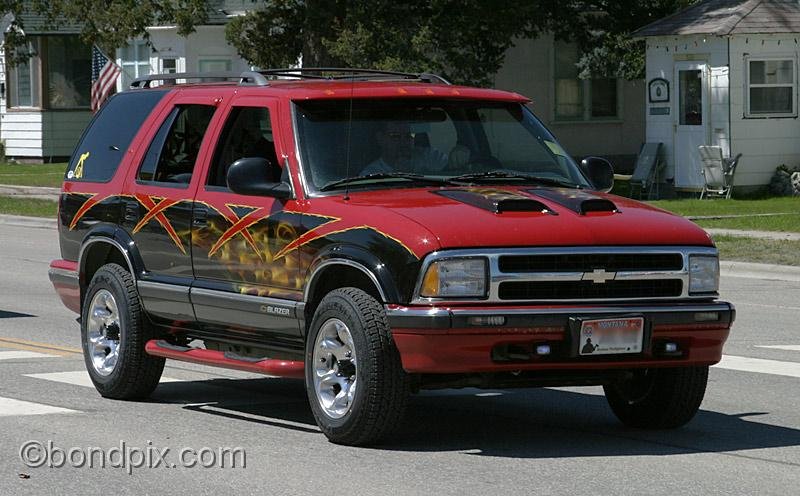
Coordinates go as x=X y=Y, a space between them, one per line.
x=717 y=171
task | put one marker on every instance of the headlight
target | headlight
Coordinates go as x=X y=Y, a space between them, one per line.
x=703 y=274
x=455 y=278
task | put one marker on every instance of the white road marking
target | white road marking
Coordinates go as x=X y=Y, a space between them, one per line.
x=759 y=365
x=787 y=347
x=11 y=355
x=9 y=407
x=78 y=378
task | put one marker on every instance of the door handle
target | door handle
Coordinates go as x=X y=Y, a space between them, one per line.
x=131 y=211
x=200 y=216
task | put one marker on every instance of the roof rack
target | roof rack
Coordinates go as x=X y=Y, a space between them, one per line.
x=260 y=78
x=338 y=73
x=247 y=78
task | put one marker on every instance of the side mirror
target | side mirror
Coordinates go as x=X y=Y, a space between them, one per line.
x=251 y=176
x=600 y=173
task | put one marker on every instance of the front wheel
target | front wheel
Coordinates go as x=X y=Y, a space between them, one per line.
x=658 y=398
x=355 y=382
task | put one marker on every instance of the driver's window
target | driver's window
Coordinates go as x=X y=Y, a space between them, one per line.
x=172 y=154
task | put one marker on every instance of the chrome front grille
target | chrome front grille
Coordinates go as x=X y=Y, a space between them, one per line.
x=586 y=262
x=581 y=274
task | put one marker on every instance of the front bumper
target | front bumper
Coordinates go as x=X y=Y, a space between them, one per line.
x=446 y=340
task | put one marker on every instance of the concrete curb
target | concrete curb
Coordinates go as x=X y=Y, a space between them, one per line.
x=23 y=221
x=751 y=270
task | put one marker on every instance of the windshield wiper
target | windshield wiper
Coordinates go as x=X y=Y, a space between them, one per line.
x=384 y=175
x=500 y=174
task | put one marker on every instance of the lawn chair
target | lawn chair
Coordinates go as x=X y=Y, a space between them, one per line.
x=717 y=172
x=647 y=171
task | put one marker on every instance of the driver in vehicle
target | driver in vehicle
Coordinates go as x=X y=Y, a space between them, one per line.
x=398 y=152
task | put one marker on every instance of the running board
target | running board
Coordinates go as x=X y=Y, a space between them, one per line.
x=268 y=366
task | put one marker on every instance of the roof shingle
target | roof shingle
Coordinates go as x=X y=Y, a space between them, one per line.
x=727 y=17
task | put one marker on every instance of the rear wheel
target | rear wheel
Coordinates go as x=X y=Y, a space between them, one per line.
x=113 y=333
x=355 y=382
x=658 y=398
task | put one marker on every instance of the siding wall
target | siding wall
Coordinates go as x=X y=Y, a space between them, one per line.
x=765 y=143
x=528 y=70
x=662 y=54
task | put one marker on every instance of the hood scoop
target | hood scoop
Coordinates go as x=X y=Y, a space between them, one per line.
x=496 y=200
x=581 y=202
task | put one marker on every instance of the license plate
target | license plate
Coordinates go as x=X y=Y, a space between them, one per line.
x=611 y=336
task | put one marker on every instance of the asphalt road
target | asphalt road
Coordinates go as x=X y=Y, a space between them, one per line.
x=745 y=440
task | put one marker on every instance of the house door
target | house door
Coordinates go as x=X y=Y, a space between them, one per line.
x=691 y=122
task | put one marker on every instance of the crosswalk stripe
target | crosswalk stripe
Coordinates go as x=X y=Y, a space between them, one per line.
x=787 y=347
x=11 y=355
x=10 y=406
x=759 y=365
x=78 y=378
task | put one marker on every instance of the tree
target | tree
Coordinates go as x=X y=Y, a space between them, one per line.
x=602 y=28
x=107 y=24
x=463 y=40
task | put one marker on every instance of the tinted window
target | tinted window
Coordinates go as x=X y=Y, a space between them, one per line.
x=171 y=156
x=109 y=135
x=247 y=133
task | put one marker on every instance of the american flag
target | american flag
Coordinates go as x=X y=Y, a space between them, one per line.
x=104 y=77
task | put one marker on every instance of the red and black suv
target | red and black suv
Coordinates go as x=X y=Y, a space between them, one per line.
x=374 y=234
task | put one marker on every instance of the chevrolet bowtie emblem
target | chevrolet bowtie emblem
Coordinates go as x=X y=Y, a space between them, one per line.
x=598 y=276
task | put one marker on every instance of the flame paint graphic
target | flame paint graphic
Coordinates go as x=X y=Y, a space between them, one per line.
x=94 y=199
x=156 y=210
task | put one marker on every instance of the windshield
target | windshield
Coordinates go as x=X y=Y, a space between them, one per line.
x=402 y=142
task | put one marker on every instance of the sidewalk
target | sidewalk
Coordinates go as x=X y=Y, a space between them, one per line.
x=38 y=192
x=773 y=235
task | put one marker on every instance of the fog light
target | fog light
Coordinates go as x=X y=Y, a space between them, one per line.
x=543 y=349
x=670 y=347
x=487 y=320
x=706 y=316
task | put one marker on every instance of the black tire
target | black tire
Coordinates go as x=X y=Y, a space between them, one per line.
x=381 y=397
x=136 y=374
x=658 y=398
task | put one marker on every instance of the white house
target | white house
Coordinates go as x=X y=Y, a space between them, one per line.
x=45 y=105
x=599 y=116
x=725 y=72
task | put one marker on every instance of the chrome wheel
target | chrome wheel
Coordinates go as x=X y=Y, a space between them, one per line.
x=335 y=366
x=103 y=332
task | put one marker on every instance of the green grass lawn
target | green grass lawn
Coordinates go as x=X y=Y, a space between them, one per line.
x=28 y=206
x=32 y=174
x=698 y=208
x=784 y=204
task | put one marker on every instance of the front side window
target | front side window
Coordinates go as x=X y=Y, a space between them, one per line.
x=771 y=87
x=581 y=99
x=247 y=133
x=172 y=154
x=428 y=141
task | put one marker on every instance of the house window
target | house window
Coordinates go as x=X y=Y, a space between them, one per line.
x=68 y=69
x=581 y=99
x=169 y=66
x=135 y=61
x=23 y=81
x=60 y=70
x=771 y=87
x=214 y=65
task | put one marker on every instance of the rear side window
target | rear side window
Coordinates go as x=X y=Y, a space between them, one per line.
x=109 y=135
x=172 y=154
